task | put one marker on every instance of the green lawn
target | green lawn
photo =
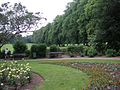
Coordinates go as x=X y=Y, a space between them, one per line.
x=59 y=77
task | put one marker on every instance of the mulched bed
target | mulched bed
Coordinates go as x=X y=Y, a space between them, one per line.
x=36 y=80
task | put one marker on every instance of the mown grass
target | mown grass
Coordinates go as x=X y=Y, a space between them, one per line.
x=58 y=77
x=61 y=77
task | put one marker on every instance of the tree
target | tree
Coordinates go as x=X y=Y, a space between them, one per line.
x=16 y=19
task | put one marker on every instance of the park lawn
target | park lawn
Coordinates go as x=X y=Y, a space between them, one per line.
x=60 y=77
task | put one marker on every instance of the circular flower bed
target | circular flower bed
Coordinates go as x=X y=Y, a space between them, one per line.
x=14 y=75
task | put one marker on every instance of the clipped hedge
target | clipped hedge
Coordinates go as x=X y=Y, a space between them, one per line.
x=111 y=53
x=20 y=47
x=38 y=51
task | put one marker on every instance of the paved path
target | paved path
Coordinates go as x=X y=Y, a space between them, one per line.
x=68 y=58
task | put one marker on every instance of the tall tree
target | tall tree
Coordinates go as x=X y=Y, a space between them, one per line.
x=16 y=19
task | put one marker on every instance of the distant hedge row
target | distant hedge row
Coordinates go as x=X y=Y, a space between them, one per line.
x=41 y=50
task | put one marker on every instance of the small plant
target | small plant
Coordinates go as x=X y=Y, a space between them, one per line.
x=111 y=53
x=71 y=50
x=14 y=74
x=91 y=52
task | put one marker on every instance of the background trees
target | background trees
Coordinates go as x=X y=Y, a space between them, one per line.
x=89 y=22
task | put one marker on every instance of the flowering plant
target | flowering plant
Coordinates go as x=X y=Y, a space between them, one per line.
x=14 y=74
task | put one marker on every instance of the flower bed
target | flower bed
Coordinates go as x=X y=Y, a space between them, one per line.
x=14 y=75
x=103 y=76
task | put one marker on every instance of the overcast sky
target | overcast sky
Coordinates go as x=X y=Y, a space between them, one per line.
x=49 y=8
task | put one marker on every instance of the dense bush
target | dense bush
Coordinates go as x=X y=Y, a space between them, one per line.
x=63 y=49
x=14 y=74
x=42 y=49
x=2 y=54
x=71 y=50
x=33 y=51
x=80 y=50
x=76 y=50
x=111 y=53
x=91 y=52
x=38 y=51
x=19 y=47
x=54 y=48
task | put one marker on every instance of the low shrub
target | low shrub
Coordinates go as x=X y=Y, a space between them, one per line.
x=33 y=51
x=85 y=50
x=42 y=49
x=76 y=50
x=19 y=47
x=14 y=74
x=54 y=48
x=2 y=54
x=111 y=53
x=63 y=49
x=91 y=52
x=38 y=51
x=71 y=50
x=80 y=50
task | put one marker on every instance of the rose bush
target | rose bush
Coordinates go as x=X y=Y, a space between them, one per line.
x=14 y=74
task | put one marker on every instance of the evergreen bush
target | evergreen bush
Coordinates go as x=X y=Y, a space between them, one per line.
x=111 y=53
x=19 y=47
x=91 y=52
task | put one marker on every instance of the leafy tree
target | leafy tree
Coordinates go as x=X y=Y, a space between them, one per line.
x=16 y=19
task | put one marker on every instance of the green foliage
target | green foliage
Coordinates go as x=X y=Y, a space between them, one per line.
x=19 y=47
x=19 y=18
x=87 y=22
x=42 y=49
x=111 y=53
x=54 y=48
x=38 y=51
x=91 y=52
x=33 y=51
x=14 y=74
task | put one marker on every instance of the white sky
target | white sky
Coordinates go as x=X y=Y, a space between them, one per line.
x=49 y=8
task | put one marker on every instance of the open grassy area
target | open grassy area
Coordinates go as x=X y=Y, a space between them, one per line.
x=63 y=78
x=59 y=77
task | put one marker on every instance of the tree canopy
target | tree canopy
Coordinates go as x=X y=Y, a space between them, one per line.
x=16 y=19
